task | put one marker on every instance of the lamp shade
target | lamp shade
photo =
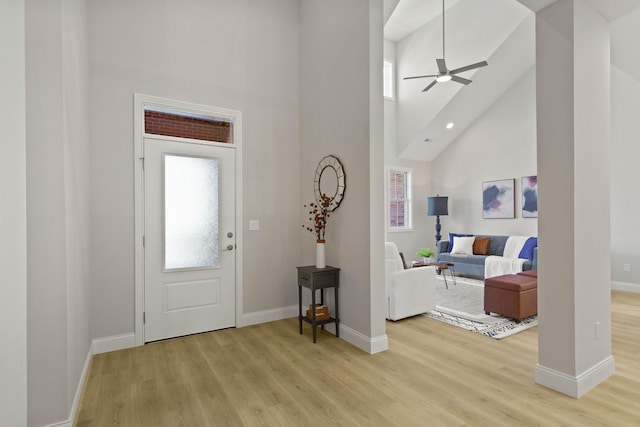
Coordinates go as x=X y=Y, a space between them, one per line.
x=437 y=206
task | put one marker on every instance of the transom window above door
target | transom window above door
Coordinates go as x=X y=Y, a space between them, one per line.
x=162 y=121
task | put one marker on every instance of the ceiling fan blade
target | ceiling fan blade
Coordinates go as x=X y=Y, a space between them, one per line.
x=442 y=66
x=460 y=80
x=469 y=67
x=420 y=77
x=433 y=83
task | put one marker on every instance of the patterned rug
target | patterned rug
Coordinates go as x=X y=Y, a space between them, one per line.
x=461 y=305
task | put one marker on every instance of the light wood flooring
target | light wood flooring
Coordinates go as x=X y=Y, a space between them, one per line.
x=434 y=374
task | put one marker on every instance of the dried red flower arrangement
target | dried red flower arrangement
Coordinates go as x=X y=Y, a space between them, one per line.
x=318 y=215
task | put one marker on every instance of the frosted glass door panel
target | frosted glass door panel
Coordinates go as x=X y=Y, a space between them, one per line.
x=189 y=217
x=190 y=212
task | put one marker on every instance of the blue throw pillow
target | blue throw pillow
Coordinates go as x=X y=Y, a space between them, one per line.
x=527 y=249
x=452 y=235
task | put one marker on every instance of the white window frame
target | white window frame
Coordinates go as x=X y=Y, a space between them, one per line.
x=388 y=79
x=408 y=200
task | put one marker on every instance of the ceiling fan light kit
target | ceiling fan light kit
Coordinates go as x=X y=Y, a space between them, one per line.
x=444 y=74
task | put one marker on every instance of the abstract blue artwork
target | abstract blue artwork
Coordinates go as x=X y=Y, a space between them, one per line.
x=530 y=197
x=498 y=199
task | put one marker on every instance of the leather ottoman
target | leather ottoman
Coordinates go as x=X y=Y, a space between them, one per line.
x=511 y=295
x=529 y=273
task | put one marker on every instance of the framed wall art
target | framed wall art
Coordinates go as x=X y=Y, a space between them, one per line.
x=498 y=199
x=530 y=197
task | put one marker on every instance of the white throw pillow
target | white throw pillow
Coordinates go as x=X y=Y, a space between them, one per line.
x=463 y=245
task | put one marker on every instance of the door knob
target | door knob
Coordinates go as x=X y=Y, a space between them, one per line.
x=229 y=247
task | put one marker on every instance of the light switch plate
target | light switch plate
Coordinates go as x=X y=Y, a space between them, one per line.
x=254 y=225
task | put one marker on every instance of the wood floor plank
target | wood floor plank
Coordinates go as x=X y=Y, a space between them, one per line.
x=433 y=374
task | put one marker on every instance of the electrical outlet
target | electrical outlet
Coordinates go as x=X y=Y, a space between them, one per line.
x=626 y=267
x=254 y=225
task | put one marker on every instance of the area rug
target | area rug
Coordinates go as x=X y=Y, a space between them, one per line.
x=462 y=305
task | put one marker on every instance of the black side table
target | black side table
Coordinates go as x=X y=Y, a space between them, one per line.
x=313 y=279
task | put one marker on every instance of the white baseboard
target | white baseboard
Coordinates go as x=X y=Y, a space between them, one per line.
x=575 y=386
x=67 y=423
x=76 y=399
x=116 y=342
x=363 y=342
x=371 y=345
x=379 y=344
x=100 y=345
x=268 y=316
x=627 y=287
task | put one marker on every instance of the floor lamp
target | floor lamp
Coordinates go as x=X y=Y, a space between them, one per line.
x=437 y=206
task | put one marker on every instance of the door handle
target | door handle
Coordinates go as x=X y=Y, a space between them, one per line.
x=229 y=248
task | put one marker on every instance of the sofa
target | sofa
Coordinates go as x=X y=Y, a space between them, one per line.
x=473 y=265
x=408 y=291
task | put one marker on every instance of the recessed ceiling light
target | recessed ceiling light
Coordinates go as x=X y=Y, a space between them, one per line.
x=449 y=125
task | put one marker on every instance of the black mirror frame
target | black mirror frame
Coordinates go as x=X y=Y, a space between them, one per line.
x=338 y=194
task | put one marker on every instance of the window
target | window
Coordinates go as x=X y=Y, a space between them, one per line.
x=387 y=77
x=162 y=121
x=191 y=214
x=398 y=199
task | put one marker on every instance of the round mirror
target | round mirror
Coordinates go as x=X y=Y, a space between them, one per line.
x=330 y=180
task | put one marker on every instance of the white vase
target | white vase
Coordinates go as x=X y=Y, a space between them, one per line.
x=320 y=262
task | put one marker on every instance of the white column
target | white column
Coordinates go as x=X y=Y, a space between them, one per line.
x=573 y=110
x=13 y=216
x=377 y=229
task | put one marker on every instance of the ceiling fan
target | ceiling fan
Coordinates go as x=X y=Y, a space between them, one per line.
x=444 y=74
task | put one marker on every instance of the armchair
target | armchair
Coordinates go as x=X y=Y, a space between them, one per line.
x=408 y=292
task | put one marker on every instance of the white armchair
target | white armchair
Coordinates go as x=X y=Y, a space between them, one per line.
x=408 y=292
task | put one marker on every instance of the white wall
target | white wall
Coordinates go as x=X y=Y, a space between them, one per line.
x=58 y=207
x=47 y=259
x=13 y=215
x=242 y=55
x=423 y=232
x=501 y=144
x=77 y=188
x=335 y=119
x=625 y=198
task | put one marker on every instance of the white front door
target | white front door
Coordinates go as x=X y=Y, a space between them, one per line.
x=189 y=243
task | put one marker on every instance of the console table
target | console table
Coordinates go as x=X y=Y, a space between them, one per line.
x=315 y=279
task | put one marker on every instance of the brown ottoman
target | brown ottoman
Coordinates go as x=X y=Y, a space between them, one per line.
x=529 y=273
x=511 y=295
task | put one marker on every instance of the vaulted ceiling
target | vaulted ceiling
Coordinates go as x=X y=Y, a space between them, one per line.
x=499 y=31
